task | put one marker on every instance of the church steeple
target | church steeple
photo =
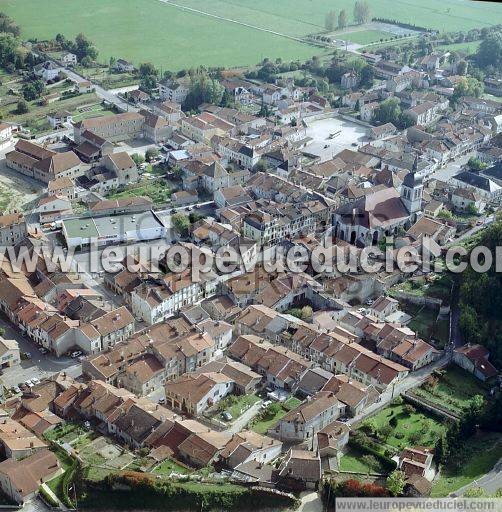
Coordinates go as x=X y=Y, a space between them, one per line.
x=412 y=189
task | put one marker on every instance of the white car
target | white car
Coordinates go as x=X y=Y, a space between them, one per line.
x=76 y=354
x=35 y=380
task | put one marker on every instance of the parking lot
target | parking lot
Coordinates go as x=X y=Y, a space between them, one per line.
x=38 y=365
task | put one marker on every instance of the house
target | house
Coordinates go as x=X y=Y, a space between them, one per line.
x=17 y=441
x=13 y=229
x=367 y=111
x=333 y=439
x=123 y=166
x=184 y=197
x=20 y=479
x=350 y=80
x=138 y=96
x=156 y=128
x=300 y=470
x=5 y=135
x=9 y=353
x=303 y=422
x=383 y=307
x=247 y=446
x=474 y=359
x=47 y=71
x=423 y=113
x=68 y=59
x=52 y=208
x=193 y=394
x=84 y=86
x=231 y=196
x=416 y=461
x=174 y=90
x=143 y=376
x=382 y=131
x=62 y=187
x=203 y=448
x=465 y=199
x=123 y=66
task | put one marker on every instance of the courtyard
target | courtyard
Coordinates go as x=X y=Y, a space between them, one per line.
x=332 y=135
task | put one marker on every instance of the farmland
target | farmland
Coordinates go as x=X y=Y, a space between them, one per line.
x=156 y=31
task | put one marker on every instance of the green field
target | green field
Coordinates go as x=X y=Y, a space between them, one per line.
x=364 y=36
x=482 y=453
x=150 y=30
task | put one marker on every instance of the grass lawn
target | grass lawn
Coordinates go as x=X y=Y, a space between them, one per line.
x=415 y=429
x=469 y=47
x=158 y=191
x=65 y=433
x=236 y=404
x=483 y=452
x=97 y=110
x=291 y=403
x=268 y=419
x=454 y=390
x=354 y=460
x=170 y=466
x=364 y=36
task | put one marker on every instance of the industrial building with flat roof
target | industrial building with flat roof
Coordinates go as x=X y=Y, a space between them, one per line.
x=133 y=227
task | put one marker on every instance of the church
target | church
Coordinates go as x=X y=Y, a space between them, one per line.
x=380 y=214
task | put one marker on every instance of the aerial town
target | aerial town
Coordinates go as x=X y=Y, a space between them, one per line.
x=130 y=381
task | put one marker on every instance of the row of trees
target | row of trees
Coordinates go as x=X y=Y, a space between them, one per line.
x=333 y=21
x=361 y=15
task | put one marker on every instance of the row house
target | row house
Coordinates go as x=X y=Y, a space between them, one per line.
x=155 y=300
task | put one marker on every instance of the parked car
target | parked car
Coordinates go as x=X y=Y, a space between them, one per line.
x=76 y=354
x=16 y=389
x=35 y=380
x=226 y=416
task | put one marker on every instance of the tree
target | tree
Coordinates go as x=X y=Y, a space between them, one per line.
x=181 y=223
x=84 y=48
x=467 y=86
x=396 y=482
x=388 y=111
x=462 y=67
x=138 y=159
x=490 y=51
x=476 y=164
x=22 y=107
x=151 y=154
x=203 y=89
x=367 y=75
x=112 y=62
x=330 y=21
x=342 y=19
x=361 y=12
x=32 y=90
x=146 y=69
